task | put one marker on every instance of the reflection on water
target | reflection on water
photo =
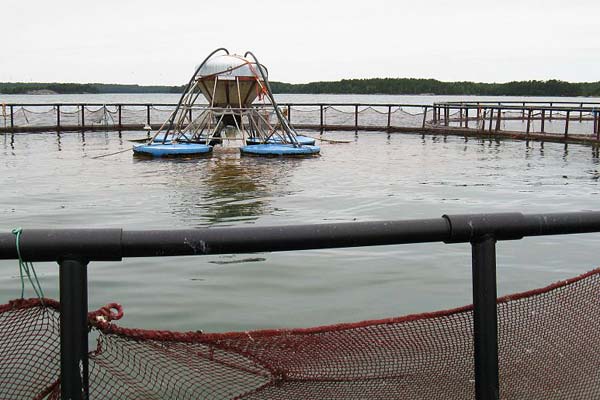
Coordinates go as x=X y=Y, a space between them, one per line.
x=223 y=187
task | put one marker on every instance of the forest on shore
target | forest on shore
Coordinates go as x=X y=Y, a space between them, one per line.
x=410 y=86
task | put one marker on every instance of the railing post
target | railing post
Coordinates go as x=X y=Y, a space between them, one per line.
x=498 y=118
x=567 y=123
x=148 y=114
x=529 y=121
x=580 y=112
x=120 y=108
x=542 y=128
x=550 y=118
x=356 y=117
x=424 y=117
x=58 y=118
x=435 y=118
x=446 y=116
x=12 y=116
x=491 y=118
x=321 y=117
x=82 y=117
x=74 y=372
x=597 y=124
x=389 y=117
x=467 y=117
x=485 y=322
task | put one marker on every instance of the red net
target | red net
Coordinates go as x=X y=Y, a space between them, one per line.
x=549 y=348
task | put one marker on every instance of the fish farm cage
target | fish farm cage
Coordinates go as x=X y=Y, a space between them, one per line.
x=541 y=344
x=568 y=122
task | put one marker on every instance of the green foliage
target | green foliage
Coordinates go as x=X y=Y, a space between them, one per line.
x=432 y=86
x=347 y=86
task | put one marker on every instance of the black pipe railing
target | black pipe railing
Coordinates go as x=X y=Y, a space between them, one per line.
x=73 y=249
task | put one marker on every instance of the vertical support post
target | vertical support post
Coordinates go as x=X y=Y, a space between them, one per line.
x=446 y=116
x=120 y=107
x=596 y=125
x=460 y=117
x=289 y=116
x=523 y=113
x=82 y=117
x=543 y=127
x=550 y=118
x=491 y=118
x=529 y=120
x=424 y=117
x=356 y=117
x=74 y=381
x=148 y=114
x=58 y=118
x=12 y=116
x=485 y=322
x=482 y=116
x=580 y=112
x=321 y=117
x=498 y=118
x=389 y=117
x=435 y=118
x=567 y=123
x=467 y=117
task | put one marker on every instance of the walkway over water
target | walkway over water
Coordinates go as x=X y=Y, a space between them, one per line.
x=569 y=122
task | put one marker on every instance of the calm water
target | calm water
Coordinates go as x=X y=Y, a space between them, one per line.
x=53 y=181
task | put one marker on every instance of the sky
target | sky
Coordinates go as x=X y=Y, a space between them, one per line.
x=160 y=42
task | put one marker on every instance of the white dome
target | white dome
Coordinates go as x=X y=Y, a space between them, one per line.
x=230 y=66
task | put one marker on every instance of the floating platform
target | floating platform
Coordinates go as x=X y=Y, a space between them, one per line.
x=172 y=150
x=303 y=140
x=161 y=136
x=275 y=149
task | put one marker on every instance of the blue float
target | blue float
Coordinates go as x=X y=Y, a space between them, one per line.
x=160 y=137
x=274 y=149
x=170 y=149
x=303 y=140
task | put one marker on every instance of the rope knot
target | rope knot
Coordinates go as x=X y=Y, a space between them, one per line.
x=105 y=314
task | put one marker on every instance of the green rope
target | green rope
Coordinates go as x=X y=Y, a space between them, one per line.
x=27 y=269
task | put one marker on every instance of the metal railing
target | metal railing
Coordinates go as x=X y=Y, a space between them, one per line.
x=73 y=249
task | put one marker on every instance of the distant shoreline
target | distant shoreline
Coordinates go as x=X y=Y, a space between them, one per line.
x=380 y=86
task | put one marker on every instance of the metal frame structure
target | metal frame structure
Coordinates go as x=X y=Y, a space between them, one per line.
x=73 y=249
x=208 y=124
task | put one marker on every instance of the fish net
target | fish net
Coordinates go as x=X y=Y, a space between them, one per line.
x=549 y=348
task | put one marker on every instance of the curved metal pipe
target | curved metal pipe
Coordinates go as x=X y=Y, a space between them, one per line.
x=188 y=87
x=284 y=123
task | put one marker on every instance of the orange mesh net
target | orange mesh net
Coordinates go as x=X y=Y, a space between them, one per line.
x=549 y=348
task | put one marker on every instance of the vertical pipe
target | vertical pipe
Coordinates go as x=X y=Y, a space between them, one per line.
x=529 y=120
x=58 y=118
x=321 y=117
x=460 y=117
x=73 y=329
x=82 y=117
x=498 y=118
x=424 y=117
x=567 y=123
x=597 y=125
x=148 y=114
x=543 y=127
x=446 y=116
x=356 y=117
x=550 y=118
x=389 y=117
x=435 y=119
x=485 y=323
x=580 y=112
x=120 y=107
x=12 y=116
x=523 y=113
x=491 y=118
x=467 y=117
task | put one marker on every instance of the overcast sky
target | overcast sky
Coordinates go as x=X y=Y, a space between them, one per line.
x=160 y=42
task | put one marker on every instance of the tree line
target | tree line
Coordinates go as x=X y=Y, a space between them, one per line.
x=346 y=86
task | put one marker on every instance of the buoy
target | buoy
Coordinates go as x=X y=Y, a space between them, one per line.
x=275 y=149
x=302 y=140
x=172 y=149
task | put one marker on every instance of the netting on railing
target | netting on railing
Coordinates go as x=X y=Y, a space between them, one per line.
x=549 y=348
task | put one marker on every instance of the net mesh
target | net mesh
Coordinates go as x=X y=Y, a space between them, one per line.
x=549 y=348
